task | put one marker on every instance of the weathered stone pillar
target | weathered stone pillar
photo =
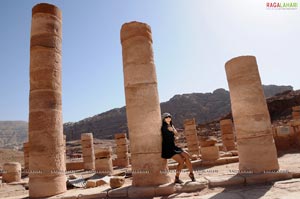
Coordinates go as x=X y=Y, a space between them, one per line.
x=209 y=149
x=103 y=160
x=227 y=134
x=26 y=156
x=88 y=153
x=122 y=159
x=191 y=136
x=255 y=143
x=11 y=172
x=46 y=160
x=142 y=106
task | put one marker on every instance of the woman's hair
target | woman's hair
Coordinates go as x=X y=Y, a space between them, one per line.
x=164 y=123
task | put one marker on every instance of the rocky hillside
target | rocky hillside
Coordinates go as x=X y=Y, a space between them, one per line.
x=280 y=105
x=204 y=107
x=13 y=134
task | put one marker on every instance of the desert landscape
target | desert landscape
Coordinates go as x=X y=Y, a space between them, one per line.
x=241 y=143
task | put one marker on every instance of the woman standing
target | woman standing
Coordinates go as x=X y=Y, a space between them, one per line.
x=170 y=150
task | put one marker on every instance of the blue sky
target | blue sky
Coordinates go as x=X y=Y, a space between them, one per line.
x=192 y=40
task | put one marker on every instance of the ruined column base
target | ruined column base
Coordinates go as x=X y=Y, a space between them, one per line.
x=12 y=172
x=210 y=153
x=121 y=162
x=46 y=186
x=143 y=164
x=258 y=154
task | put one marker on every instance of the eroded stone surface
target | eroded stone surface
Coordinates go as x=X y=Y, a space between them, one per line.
x=257 y=152
x=223 y=181
x=116 y=182
x=88 y=152
x=46 y=159
x=190 y=186
x=142 y=101
x=11 y=172
x=190 y=132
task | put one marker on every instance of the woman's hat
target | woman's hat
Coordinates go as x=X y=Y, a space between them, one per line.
x=164 y=115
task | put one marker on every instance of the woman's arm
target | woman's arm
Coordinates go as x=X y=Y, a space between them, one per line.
x=175 y=131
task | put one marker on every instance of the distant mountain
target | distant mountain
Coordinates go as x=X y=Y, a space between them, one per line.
x=204 y=107
x=13 y=134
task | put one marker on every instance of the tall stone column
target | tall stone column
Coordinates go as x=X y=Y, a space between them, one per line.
x=142 y=106
x=46 y=159
x=255 y=143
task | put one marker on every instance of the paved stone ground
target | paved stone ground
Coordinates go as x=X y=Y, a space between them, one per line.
x=288 y=189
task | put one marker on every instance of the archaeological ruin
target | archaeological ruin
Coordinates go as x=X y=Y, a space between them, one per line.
x=228 y=137
x=122 y=159
x=242 y=148
x=190 y=132
x=142 y=100
x=88 y=152
x=46 y=146
x=252 y=122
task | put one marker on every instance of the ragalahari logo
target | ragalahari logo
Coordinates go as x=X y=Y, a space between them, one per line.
x=282 y=5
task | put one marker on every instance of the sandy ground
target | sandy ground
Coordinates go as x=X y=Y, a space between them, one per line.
x=289 y=189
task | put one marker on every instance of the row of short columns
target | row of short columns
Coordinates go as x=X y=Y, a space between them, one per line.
x=191 y=136
x=122 y=159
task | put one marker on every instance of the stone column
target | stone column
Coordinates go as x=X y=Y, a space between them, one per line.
x=191 y=136
x=227 y=134
x=255 y=143
x=103 y=161
x=11 y=172
x=46 y=160
x=88 y=153
x=122 y=159
x=208 y=148
x=142 y=106
x=26 y=156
